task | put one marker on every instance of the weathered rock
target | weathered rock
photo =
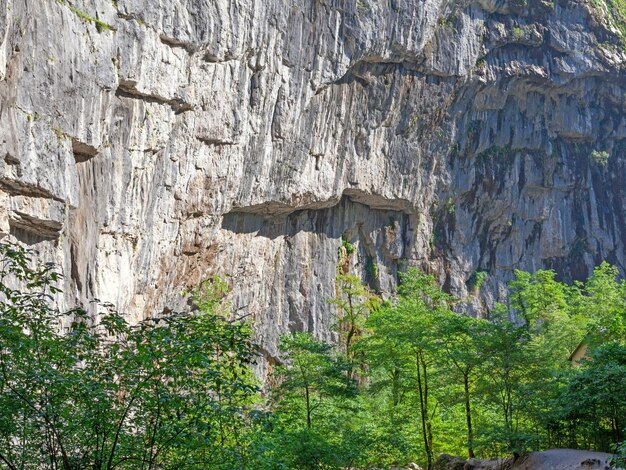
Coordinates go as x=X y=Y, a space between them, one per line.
x=146 y=144
x=570 y=459
x=413 y=466
x=449 y=462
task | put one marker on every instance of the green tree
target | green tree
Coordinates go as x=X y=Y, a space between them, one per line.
x=409 y=327
x=506 y=358
x=536 y=297
x=527 y=351
x=78 y=392
x=354 y=303
x=604 y=304
x=550 y=312
x=595 y=393
x=311 y=407
x=312 y=374
x=461 y=338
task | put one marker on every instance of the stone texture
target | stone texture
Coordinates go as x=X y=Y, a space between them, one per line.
x=246 y=138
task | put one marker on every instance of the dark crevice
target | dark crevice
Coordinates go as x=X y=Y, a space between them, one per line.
x=174 y=43
x=11 y=160
x=130 y=17
x=372 y=277
x=214 y=59
x=214 y=141
x=127 y=89
x=373 y=201
x=18 y=188
x=25 y=234
x=82 y=151
x=47 y=228
x=256 y=219
x=74 y=272
x=364 y=71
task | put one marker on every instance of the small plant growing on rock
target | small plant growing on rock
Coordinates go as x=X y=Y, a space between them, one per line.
x=362 y=7
x=450 y=206
x=347 y=246
x=100 y=25
x=371 y=268
x=601 y=158
x=343 y=256
x=59 y=133
x=432 y=239
x=477 y=279
x=614 y=11
x=473 y=129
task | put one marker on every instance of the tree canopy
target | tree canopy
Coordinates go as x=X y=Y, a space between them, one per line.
x=408 y=378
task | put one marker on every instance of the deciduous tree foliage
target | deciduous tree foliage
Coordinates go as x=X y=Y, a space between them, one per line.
x=77 y=392
x=354 y=303
x=439 y=381
x=409 y=378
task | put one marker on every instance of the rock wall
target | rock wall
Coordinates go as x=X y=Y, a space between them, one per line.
x=146 y=144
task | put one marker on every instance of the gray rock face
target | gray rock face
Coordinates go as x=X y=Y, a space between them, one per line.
x=146 y=144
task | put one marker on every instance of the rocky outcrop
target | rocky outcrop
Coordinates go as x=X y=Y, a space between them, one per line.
x=146 y=144
x=570 y=459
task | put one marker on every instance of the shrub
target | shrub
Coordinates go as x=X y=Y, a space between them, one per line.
x=601 y=158
x=477 y=279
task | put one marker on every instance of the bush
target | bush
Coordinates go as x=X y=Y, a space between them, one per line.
x=601 y=158
x=477 y=279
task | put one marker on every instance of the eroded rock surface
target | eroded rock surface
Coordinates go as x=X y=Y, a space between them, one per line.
x=146 y=144
x=553 y=459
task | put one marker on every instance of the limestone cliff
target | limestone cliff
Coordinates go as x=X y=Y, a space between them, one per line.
x=145 y=144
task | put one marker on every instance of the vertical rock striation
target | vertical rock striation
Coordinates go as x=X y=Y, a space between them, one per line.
x=145 y=144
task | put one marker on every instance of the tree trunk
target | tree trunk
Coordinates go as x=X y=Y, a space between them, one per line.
x=424 y=413
x=308 y=407
x=351 y=331
x=468 y=418
x=429 y=425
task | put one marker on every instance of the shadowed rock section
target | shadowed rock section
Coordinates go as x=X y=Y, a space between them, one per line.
x=287 y=260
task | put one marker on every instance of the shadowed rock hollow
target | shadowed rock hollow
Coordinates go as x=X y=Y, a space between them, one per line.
x=146 y=144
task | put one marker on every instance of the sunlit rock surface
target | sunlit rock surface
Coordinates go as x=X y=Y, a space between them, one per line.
x=146 y=144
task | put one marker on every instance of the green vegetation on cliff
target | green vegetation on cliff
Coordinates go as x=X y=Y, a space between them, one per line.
x=617 y=11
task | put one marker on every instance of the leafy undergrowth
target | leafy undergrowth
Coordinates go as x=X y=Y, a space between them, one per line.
x=617 y=12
